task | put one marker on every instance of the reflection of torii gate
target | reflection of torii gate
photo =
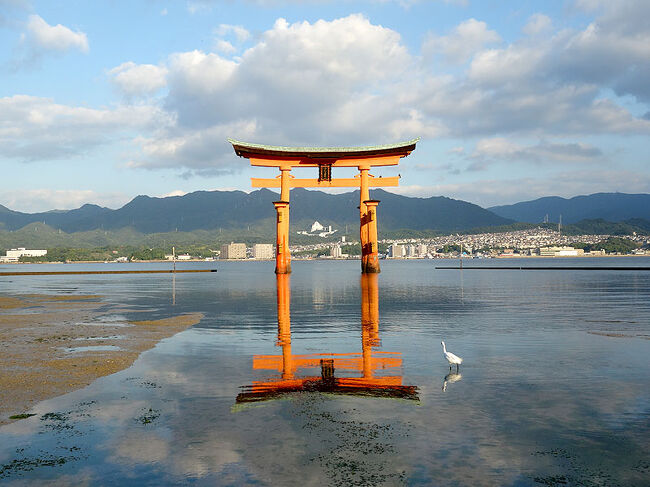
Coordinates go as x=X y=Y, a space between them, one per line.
x=367 y=362
x=325 y=158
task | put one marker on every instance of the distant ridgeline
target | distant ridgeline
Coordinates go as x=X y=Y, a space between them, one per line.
x=215 y=217
x=610 y=207
x=209 y=210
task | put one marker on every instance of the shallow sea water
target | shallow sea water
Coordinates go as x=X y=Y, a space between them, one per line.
x=326 y=378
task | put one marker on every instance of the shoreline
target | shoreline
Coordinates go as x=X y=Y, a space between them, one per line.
x=51 y=345
x=330 y=259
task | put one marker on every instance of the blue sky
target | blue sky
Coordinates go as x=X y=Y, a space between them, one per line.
x=101 y=101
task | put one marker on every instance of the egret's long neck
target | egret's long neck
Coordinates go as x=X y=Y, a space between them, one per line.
x=444 y=348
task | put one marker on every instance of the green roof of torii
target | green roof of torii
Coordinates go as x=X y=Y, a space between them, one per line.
x=244 y=148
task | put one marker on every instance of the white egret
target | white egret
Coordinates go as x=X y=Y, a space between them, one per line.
x=450 y=357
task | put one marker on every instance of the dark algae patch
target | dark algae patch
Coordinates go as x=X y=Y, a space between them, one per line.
x=22 y=415
x=149 y=416
x=62 y=451
x=353 y=452
x=574 y=472
x=26 y=464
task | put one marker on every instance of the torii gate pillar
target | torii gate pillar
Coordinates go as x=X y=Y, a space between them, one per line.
x=369 y=243
x=282 y=255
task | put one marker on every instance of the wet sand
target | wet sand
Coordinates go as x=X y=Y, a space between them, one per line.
x=43 y=340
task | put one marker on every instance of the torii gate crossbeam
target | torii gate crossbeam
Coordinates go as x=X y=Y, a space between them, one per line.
x=326 y=158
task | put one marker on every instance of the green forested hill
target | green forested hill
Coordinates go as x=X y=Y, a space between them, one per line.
x=613 y=207
x=230 y=210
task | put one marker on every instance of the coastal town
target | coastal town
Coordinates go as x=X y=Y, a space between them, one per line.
x=534 y=243
x=538 y=242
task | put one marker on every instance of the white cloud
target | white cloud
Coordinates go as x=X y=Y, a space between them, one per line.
x=501 y=149
x=297 y=80
x=495 y=147
x=466 y=39
x=240 y=33
x=205 y=150
x=33 y=128
x=37 y=200
x=345 y=81
x=176 y=192
x=43 y=36
x=348 y=81
x=138 y=79
x=508 y=65
x=538 y=24
x=224 y=46
x=613 y=52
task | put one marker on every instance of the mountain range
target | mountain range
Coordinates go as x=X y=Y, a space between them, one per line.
x=213 y=210
x=207 y=210
x=613 y=207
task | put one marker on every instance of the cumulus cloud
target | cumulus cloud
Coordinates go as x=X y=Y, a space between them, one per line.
x=206 y=149
x=348 y=82
x=224 y=46
x=138 y=79
x=467 y=38
x=344 y=81
x=298 y=80
x=538 y=24
x=505 y=150
x=34 y=128
x=239 y=32
x=42 y=36
x=612 y=51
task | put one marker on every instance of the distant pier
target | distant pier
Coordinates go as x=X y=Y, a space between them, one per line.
x=547 y=268
x=63 y=273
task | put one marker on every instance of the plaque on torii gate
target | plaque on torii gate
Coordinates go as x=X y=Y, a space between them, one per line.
x=325 y=159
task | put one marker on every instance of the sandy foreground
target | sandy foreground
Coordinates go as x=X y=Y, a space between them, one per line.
x=40 y=337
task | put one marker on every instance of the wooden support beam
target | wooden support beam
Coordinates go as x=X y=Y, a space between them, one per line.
x=278 y=161
x=347 y=361
x=374 y=182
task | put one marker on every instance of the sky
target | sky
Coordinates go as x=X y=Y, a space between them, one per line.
x=102 y=101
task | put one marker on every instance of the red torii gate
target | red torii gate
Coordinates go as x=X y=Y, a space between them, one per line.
x=325 y=158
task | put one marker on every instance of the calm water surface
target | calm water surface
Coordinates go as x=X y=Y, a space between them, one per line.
x=326 y=378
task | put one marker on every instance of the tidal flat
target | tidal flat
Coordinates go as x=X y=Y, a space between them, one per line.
x=41 y=351
x=329 y=378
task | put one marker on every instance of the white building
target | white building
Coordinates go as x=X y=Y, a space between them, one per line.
x=318 y=230
x=263 y=251
x=14 y=255
x=233 y=251
x=560 y=252
x=397 y=251
x=335 y=251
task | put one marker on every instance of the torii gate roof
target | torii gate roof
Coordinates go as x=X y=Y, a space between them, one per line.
x=247 y=149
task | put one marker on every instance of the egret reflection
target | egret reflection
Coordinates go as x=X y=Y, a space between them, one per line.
x=450 y=378
x=359 y=372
